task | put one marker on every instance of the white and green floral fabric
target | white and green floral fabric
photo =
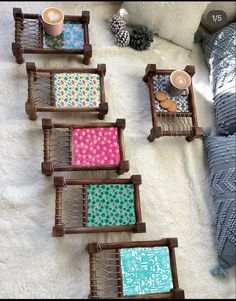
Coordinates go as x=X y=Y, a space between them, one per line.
x=77 y=90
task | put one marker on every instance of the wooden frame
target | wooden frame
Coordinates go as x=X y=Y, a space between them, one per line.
x=41 y=95
x=33 y=42
x=188 y=123
x=95 y=249
x=60 y=228
x=58 y=147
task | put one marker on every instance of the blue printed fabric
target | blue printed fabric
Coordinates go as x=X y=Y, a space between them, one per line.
x=160 y=83
x=72 y=37
x=145 y=270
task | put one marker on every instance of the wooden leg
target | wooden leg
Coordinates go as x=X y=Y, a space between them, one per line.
x=124 y=167
x=33 y=117
x=30 y=110
x=145 y=78
x=47 y=168
x=103 y=110
x=58 y=231
x=197 y=133
x=86 y=60
x=189 y=138
x=150 y=138
x=87 y=54
x=101 y=116
x=17 y=52
x=178 y=293
x=155 y=132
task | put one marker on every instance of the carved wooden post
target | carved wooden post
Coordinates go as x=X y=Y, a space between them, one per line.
x=16 y=46
x=103 y=107
x=30 y=106
x=124 y=164
x=197 y=131
x=59 y=228
x=47 y=166
x=92 y=250
x=87 y=54
x=155 y=131
x=18 y=53
x=140 y=226
x=176 y=291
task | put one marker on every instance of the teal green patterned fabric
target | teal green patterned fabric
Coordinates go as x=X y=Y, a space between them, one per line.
x=145 y=270
x=110 y=205
x=72 y=37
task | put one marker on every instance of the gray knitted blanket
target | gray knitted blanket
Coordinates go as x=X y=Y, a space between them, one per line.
x=221 y=153
x=220 y=54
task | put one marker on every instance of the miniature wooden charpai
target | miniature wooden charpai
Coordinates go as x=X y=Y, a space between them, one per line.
x=66 y=90
x=87 y=146
x=30 y=36
x=175 y=116
x=100 y=205
x=137 y=270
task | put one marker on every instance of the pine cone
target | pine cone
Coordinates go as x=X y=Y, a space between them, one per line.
x=141 y=38
x=117 y=23
x=122 y=38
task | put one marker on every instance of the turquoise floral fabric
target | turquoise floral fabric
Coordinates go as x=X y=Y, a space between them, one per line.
x=145 y=270
x=110 y=205
x=72 y=37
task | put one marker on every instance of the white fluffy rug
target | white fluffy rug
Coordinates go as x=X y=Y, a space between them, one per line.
x=175 y=196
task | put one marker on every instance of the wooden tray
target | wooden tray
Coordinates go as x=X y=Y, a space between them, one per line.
x=44 y=83
x=80 y=206
x=107 y=277
x=58 y=147
x=167 y=123
x=31 y=38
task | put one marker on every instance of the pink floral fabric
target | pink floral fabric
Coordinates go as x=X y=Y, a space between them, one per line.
x=95 y=146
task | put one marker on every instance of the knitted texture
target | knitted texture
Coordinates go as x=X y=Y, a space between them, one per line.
x=221 y=153
x=219 y=50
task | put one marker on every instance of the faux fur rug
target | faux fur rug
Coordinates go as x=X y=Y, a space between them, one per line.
x=175 y=195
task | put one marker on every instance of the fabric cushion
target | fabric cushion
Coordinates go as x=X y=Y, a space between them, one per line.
x=110 y=205
x=95 y=147
x=77 y=90
x=219 y=50
x=221 y=157
x=175 y=21
x=145 y=270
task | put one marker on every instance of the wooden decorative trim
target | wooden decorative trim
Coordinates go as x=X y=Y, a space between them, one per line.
x=85 y=206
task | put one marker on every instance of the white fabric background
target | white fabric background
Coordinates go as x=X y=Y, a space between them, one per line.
x=176 y=21
x=174 y=194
